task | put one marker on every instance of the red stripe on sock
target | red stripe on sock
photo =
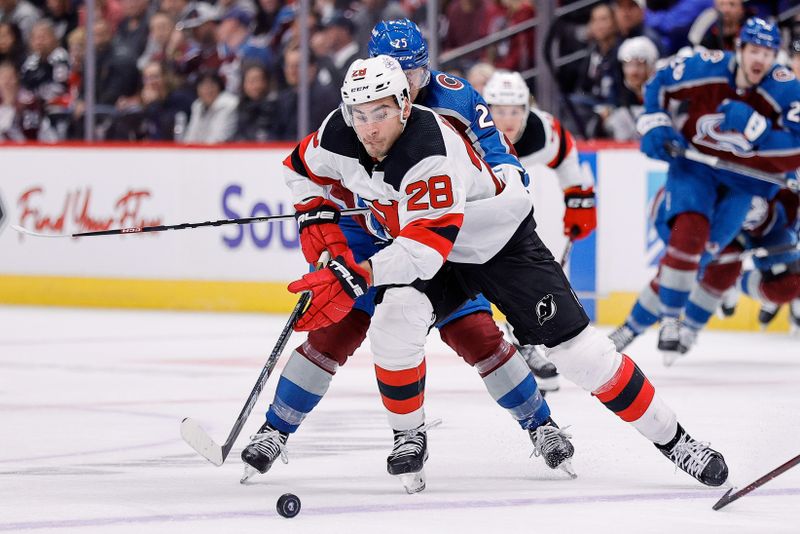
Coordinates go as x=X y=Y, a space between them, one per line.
x=404 y=406
x=640 y=405
x=402 y=377
x=614 y=387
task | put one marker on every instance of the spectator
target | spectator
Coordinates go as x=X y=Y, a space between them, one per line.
x=256 y=111
x=343 y=50
x=159 y=113
x=601 y=67
x=131 y=35
x=46 y=69
x=322 y=99
x=794 y=50
x=369 y=13
x=107 y=10
x=202 y=54
x=464 y=24
x=638 y=57
x=213 y=117
x=117 y=74
x=717 y=28
x=21 y=112
x=517 y=53
x=12 y=47
x=671 y=19
x=236 y=45
x=479 y=74
x=629 y=18
x=267 y=16
x=176 y=9
x=158 y=38
x=19 y=12
x=63 y=17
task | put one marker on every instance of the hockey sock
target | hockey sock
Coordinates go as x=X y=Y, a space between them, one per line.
x=403 y=395
x=645 y=312
x=678 y=269
x=477 y=339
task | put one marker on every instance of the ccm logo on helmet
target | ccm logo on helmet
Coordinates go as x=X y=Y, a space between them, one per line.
x=448 y=82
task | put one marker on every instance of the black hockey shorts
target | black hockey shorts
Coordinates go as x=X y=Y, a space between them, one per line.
x=525 y=283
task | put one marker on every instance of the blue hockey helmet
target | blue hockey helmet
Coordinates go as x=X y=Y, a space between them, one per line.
x=759 y=32
x=402 y=40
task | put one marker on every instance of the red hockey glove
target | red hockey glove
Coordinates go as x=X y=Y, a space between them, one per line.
x=334 y=290
x=318 y=220
x=580 y=217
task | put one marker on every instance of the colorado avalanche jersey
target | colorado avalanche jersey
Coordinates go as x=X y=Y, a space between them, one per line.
x=704 y=81
x=434 y=196
x=467 y=111
x=545 y=141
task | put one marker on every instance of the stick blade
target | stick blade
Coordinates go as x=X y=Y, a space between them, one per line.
x=25 y=231
x=198 y=439
x=724 y=500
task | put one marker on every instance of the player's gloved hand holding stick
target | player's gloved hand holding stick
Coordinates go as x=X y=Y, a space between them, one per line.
x=580 y=215
x=658 y=133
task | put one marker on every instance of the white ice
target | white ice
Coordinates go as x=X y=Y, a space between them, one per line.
x=91 y=401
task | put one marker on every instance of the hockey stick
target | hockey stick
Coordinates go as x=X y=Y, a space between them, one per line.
x=198 y=439
x=713 y=161
x=730 y=497
x=566 y=253
x=759 y=252
x=183 y=226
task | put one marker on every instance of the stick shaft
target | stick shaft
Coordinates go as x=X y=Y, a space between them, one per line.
x=729 y=498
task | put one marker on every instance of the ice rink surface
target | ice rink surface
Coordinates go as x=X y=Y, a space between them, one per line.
x=91 y=402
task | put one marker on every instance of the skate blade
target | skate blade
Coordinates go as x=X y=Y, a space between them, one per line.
x=413 y=482
x=249 y=472
x=566 y=466
x=670 y=357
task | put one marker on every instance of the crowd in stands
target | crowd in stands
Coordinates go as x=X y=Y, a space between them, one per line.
x=197 y=72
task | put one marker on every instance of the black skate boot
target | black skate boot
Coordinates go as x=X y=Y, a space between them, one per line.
x=263 y=450
x=669 y=340
x=766 y=314
x=728 y=305
x=408 y=456
x=696 y=458
x=553 y=445
x=543 y=369
x=622 y=337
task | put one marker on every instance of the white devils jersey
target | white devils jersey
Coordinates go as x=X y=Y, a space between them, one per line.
x=545 y=141
x=433 y=194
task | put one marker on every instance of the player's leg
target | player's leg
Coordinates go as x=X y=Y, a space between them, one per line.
x=477 y=339
x=397 y=337
x=643 y=315
x=532 y=291
x=308 y=372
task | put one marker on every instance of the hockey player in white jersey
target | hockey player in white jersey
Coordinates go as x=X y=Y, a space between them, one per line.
x=457 y=230
x=539 y=138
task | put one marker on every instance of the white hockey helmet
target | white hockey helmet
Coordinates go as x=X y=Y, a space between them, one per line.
x=368 y=80
x=506 y=88
x=638 y=48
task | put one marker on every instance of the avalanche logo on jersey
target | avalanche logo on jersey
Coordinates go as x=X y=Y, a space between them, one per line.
x=546 y=309
x=709 y=135
x=449 y=82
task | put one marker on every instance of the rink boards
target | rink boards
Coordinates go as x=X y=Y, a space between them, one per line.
x=69 y=189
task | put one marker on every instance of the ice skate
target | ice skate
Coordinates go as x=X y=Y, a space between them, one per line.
x=553 y=445
x=696 y=458
x=263 y=450
x=543 y=369
x=687 y=338
x=622 y=337
x=728 y=305
x=669 y=343
x=766 y=314
x=408 y=456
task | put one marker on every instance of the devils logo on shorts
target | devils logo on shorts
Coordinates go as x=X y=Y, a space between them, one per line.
x=546 y=309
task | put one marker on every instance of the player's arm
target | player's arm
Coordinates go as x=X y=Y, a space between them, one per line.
x=430 y=215
x=309 y=173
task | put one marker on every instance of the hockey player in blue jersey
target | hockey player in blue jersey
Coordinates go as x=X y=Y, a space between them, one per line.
x=470 y=331
x=742 y=108
x=774 y=281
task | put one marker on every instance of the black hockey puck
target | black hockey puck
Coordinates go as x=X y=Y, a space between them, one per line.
x=288 y=505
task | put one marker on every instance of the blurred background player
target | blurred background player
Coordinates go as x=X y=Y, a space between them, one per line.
x=539 y=138
x=742 y=108
x=774 y=281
